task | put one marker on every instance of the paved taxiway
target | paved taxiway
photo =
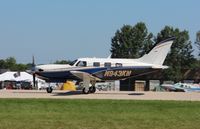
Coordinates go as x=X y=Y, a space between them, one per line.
x=190 y=96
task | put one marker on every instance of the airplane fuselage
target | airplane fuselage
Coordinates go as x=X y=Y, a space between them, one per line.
x=101 y=68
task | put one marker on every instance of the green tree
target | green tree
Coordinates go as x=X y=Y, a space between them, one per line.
x=131 y=41
x=2 y=64
x=198 y=42
x=10 y=63
x=21 y=67
x=180 y=56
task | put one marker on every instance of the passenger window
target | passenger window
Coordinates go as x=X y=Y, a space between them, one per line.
x=107 y=64
x=118 y=65
x=96 y=64
x=82 y=63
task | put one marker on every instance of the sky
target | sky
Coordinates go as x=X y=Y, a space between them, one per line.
x=68 y=29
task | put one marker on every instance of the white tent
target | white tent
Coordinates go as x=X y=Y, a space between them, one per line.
x=22 y=76
x=17 y=76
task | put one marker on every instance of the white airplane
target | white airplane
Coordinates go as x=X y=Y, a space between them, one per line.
x=182 y=87
x=90 y=70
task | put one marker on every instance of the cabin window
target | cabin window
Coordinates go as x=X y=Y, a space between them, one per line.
x=96 y=64
x=118 y=64
x=107 y=64
x=82 y=63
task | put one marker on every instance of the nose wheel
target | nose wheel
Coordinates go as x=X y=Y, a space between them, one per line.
x=49 y=89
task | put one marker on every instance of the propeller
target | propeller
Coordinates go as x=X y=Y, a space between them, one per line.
x=33 y=69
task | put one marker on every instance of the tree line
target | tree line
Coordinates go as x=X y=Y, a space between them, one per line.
x=11 y=64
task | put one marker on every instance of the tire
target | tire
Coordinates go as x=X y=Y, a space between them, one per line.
x=49 y=89
x=92 y=89
x=85 y=92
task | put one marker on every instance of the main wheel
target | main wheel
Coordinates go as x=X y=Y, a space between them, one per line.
x=49 y=89
x=92 y=89
x=85 y=91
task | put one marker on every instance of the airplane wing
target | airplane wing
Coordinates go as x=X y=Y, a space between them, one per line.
x=84 y=75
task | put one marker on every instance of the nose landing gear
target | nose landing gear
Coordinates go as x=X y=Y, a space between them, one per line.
x=49 y=89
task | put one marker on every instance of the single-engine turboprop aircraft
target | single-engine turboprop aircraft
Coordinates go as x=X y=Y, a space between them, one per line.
x=90 y=70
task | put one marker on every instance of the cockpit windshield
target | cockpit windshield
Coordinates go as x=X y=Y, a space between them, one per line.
x=73 y=62
x=82 y=64
x=78 y=63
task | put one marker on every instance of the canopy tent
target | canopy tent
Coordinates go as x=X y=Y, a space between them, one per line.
x=18 y=76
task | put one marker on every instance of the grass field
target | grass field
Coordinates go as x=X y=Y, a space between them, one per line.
x=98 y=114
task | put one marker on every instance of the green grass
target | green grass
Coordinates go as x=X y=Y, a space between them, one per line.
x=98 y=114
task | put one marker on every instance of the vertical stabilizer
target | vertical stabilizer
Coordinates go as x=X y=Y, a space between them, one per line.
x=159 y=52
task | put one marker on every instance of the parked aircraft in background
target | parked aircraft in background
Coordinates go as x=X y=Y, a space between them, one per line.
x=90 y=70
x=182 y=87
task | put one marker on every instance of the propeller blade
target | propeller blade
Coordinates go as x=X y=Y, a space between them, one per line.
x=34 y=82
x=33 y=71
x=33 y=64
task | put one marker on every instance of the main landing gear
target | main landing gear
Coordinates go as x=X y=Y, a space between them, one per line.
x=91 y=89
x=88 y=84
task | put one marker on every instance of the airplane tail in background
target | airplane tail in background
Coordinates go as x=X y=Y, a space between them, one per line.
x=159 y=52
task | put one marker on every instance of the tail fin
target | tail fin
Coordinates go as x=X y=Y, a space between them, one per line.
x=158 y=53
